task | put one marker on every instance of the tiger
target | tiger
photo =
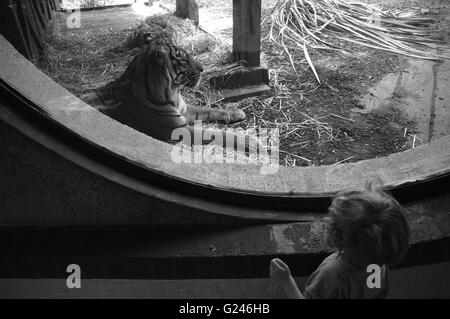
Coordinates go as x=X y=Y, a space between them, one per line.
x=147 y=97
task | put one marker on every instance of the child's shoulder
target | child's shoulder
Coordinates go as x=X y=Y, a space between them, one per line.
x=332 y=269
x=333 y=264
x=335 y=269
x=335 y=278
x=336 y=265
x=327 y=281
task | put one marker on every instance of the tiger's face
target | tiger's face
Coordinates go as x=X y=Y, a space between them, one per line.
x=180 y=66
x=158 y=70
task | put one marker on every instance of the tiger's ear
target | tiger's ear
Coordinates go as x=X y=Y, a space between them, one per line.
x=161 y=53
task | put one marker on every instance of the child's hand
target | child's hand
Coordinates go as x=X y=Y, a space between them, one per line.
x=279 y=271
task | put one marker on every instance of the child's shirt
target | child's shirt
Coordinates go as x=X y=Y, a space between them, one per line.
x=335 y=278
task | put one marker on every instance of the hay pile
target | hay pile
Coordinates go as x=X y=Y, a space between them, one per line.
x=87 y=58
x=322 y=24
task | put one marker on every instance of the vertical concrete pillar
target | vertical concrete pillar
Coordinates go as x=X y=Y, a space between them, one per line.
x=188 y=9
x=247 y=31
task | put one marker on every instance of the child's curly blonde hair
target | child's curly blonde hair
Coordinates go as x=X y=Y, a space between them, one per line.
x=368 y=226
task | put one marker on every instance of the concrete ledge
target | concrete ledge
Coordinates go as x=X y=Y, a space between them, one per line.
x=429 y=219
x=199 y=252
x=233 y=95
x=246 y=77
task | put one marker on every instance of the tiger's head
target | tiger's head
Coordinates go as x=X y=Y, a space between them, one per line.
x=159 y=69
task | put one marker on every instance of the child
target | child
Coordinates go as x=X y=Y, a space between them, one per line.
x=366 y=227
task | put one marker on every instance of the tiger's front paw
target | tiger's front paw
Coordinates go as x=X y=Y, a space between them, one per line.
x=234 y=115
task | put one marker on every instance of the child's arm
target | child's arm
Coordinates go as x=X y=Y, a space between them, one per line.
x=280 y=273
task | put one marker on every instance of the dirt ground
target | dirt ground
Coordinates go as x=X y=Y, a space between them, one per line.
x=344 y=135
x=317 y=122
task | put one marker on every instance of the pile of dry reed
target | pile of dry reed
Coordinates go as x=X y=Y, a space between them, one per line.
x=322 y=24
